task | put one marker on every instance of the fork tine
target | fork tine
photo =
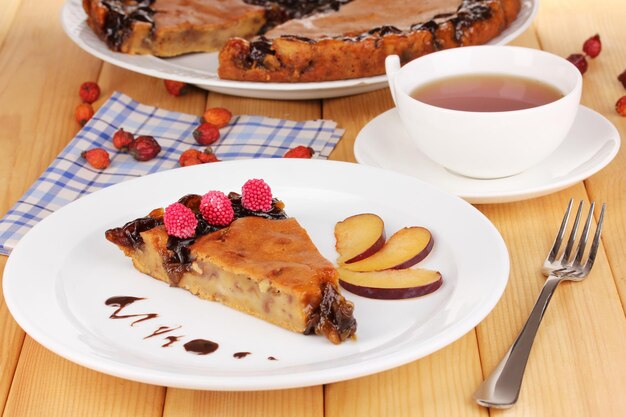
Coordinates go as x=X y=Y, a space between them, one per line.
x=559 y=237
x=596 y=241
x=572 y=236
x=583 y=237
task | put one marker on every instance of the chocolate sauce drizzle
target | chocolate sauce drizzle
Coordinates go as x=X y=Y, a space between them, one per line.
x=121 y=303
x=195 y=346
x=201 y=346
x=171 y=340
x=162 y=330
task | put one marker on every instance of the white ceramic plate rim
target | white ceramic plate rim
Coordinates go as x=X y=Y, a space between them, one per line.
x=486 y=197
x=20 y=264
x=146 y=64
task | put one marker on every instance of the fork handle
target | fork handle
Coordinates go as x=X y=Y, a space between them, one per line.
x=501 y=389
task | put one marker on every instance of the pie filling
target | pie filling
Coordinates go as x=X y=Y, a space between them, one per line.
x=263 y=264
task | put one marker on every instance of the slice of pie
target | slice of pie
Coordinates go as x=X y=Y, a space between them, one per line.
x=263 y=264
x=354 y=41
x=298 y=41
x=171 y=27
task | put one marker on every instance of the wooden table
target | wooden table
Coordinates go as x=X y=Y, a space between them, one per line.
x=578 y=363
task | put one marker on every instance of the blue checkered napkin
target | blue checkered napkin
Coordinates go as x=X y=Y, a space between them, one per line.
x=69 y=176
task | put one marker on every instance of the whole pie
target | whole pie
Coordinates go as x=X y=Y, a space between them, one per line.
x=297 y=40
x=262 y=263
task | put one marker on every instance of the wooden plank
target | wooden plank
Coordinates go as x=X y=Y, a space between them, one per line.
x=305 y=402
x=9 y=9
x=564 y=375
x=47 y=385
x=285 y=109
x=584 y=322
x=12 y=337
x=437 y=385
x=601 y=90
x=352 y=113
x=40 y=72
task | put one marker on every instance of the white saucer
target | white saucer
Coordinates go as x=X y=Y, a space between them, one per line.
x=590 y=145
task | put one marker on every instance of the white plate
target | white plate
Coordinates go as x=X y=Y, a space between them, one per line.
x=201 y=69
x=60 y=274
x=590 y=145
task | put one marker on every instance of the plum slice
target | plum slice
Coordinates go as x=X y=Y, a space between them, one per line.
x=392 y=284
x=404 y=249
x=359 y=237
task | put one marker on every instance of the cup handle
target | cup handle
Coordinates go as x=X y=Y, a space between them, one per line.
x=392 y=67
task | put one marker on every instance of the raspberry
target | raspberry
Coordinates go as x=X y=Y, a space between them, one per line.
x=83 y=113
x=180 y=221
x=256 y=195
x=176 y=88
x=620 y=106
x=206 y=134
x=299 y=152
x=97 y=158
x=216 y=208
x=592 y=46
x=122 y=140
x=580 y=62
x=622 y=78
x=144 y=148
x=89 y=92
x=217 y=116
x=195 y=157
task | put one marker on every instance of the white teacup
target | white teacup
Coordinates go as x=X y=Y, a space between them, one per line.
x=486 y=144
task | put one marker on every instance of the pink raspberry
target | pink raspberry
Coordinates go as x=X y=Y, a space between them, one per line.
x=180 y=221
x=216 y=208
x=256 y=195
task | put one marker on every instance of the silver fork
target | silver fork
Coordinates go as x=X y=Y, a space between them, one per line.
x=501 y=389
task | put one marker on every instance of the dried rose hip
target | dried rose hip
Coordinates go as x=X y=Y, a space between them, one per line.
x=622 y=78
x=144 y=148
x=299 y=152
x=206 y=134
x=189 y=157
x=217 y=116
x=97 y=158
x=580 y=61
x=195 y=157
x=620 y=106
x=208 y=156
x=176 y=88
x=83 y=113
x=122 y=140
x=89 y=92
x=592 y=46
